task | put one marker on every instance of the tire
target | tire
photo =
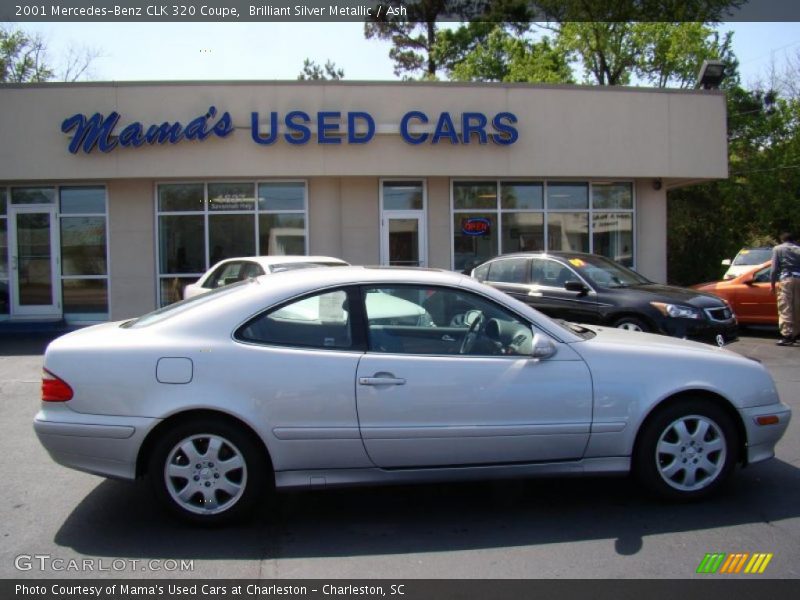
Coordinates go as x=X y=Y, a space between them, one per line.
x=687 y=450
x=208 y=471
x=632 y=324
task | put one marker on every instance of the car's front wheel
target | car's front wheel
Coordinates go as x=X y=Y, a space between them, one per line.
x=208 y=471
x=631 y=324
x=687 y=450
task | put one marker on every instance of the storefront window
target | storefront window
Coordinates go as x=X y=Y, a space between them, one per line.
x=281 y=196
x=241 y=218
x=471 y=195
x=84 y=252
x=613 y=236
x=568 y=231
x=83 y=200
x=180 y=197
x=32 y=195
x=83 y=246
x=531 y=216
x=475 y=239
x=523 y=232
x=231 y=196
x=612 y=195
x=281 y=234
x=85 y=297
x=521 y=195
x=402 y=195
x=182 y=244
x=230 y=236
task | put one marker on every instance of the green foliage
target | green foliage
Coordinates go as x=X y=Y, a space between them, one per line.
x=22 y=58
x=313 y=71
x=760 y=199
x=502 y=56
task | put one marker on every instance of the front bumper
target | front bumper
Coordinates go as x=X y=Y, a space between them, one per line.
x=761 y=439
x=99 y=444
x=702 y=330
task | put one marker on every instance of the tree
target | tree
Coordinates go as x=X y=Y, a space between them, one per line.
x=416 y=49
x=709 y=222
x=502 y=56
x=313 y=71
x=662 y=54
x=22 y=57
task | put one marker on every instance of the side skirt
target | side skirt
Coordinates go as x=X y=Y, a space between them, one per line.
x=618 y=465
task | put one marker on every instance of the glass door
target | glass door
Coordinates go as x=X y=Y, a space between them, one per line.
x=34 y=261
x=402 y=239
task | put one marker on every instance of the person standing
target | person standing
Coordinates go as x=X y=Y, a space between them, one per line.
x=786 y=272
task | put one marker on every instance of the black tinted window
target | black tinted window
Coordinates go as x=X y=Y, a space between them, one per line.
x=509 y=270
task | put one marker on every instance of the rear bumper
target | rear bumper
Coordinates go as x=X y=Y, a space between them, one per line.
x=761 y=439
x=99 y=444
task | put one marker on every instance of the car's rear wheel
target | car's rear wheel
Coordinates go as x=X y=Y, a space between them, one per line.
x=631 y=324
x=687 y=450
x=208 y=471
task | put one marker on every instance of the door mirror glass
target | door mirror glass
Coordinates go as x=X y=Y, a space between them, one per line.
x=542 y=347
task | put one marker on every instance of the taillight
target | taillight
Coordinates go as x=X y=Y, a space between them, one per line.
x=54 y=389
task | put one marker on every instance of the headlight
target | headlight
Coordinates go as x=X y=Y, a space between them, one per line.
x=677 y=311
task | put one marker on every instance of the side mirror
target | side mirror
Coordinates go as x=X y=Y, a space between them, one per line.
x=575 y=286
x=542 y=347
x=726 y=262
x=748 y=280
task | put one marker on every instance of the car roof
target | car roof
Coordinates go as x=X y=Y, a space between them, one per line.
x=268 y=261
x=542 y=253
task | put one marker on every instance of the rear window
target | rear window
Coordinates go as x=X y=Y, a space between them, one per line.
x=179 y=307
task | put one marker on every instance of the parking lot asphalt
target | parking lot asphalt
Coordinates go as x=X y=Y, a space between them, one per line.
x=544 y=528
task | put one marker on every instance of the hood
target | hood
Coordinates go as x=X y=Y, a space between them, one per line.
x=655 y=292
x=652 y=341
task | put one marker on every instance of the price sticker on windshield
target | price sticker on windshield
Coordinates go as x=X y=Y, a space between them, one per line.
x=577 y=262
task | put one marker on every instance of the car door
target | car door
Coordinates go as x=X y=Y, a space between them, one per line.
x=548 y=294
x=297 y=363
x=754 y=302
x=444 y=395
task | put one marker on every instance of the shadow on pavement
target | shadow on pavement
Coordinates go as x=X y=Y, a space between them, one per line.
x=121 y=519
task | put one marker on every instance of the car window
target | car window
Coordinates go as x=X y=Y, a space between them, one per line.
x=509 y=270
x=763 y=275
x=250 y=270
x=441 y=321
x=225 y=275
x=550 y=273
x=317 y=321
x=482 y=272
x=752 y=256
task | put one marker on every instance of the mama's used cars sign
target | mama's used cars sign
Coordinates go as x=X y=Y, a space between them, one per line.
x=105 y=133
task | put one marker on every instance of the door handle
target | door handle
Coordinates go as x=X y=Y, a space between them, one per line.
x=448 y=338
x=381 y=381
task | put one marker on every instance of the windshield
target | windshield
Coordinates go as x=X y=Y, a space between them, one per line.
x=605 y=273
x=178 y=307
x=752 y=256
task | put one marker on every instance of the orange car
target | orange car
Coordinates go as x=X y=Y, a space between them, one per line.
x=748 y=294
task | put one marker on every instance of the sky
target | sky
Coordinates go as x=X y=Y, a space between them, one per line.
x=201 y=51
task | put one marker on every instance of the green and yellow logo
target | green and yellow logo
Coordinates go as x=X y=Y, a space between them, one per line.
x=735 y=563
